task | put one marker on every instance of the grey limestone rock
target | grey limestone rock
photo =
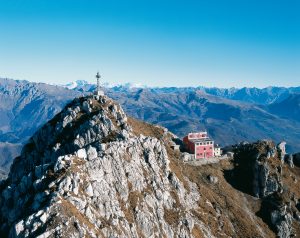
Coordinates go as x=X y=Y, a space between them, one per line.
x=267 y=169
x=289 y=160
x=281 y=150
x=265 y=183
x=86 y=106
x=282 y=220
x=212 y=179
x=91 y=153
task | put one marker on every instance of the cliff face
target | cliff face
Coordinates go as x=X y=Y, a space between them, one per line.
x=93 y=172
x=266 y=172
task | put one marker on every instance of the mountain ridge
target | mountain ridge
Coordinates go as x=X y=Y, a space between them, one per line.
x=26 y=106
x=264 y=96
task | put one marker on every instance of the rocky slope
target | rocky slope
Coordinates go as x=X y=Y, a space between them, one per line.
x=93 y=172
x=267 y=172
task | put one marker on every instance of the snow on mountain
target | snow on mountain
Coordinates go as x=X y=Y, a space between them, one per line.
x=76 y=84
x=80 y=84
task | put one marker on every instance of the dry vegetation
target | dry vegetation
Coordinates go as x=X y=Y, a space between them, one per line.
x=144 y=128
x=220 y=204
x=70 y=213
x=172 y=216
x=196 y=232
x=291 y=180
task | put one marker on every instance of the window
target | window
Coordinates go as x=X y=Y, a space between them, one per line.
x=204 y=148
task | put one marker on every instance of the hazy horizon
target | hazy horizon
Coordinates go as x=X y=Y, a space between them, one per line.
x=158 y=43
x=139 y=85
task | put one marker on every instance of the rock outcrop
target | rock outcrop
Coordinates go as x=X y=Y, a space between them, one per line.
x=264 y=176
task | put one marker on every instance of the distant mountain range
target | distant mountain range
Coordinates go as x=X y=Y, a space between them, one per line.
x=263 y=96
x=81 y=85
x=25 y=106
x=230 y=115
x=228 y=121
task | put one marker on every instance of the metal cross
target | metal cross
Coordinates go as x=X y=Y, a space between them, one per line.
x=98 y=76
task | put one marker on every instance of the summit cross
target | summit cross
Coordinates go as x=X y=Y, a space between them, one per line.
x=98 y=76
x=98 y=91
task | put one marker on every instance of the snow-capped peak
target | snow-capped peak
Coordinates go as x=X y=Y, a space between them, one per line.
x=83 y=83
x=75 y=84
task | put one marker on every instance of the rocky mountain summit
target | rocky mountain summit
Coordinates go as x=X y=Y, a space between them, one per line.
x=91 y=171
x=87 y=173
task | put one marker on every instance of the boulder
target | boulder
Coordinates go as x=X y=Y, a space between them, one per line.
x=91 y=153
x=212 y=179
x=81 y=153
x=289 y=160
x=281 y=150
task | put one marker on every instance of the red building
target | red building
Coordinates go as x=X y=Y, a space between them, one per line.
x=199 y=144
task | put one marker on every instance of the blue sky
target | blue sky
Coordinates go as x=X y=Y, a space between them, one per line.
x=156 y=43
